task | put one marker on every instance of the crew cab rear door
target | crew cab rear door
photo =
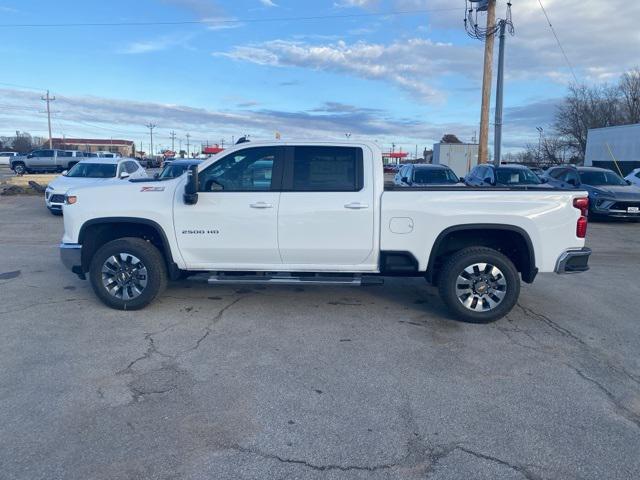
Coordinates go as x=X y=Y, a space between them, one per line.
x=326 y=214
x=234 y=224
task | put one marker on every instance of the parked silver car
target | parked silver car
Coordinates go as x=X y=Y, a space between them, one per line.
x=46 y=160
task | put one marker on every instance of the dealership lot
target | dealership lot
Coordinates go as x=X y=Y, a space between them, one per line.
x=315 y=382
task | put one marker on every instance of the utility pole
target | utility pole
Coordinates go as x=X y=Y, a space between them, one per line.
x=173 y=141
x=49 y=99
x=483 y=149
x=188 y=137
x=499 y=96
x=487 y=35
x=151 y=126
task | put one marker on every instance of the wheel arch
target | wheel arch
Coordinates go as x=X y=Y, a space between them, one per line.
x=511 y=240
x=96 y=232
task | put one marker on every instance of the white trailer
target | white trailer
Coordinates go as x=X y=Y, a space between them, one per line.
x=621 y=143
x=460 y=157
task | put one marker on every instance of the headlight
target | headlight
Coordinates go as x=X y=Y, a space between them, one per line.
x=70 y=199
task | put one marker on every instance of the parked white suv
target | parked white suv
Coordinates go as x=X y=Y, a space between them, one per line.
x=90 y=171
x=310 y=212
x=5 y=157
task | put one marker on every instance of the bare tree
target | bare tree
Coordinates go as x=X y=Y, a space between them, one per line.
x=630 y=95
x=450 y=138
x=23 y=143
x=584 y=108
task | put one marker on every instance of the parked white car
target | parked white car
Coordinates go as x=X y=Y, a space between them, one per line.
x=314 y=212
x=90 y=172
x=634 y=177
x=5 y=157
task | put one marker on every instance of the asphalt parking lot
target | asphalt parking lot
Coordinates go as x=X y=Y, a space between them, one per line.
x=320 y=382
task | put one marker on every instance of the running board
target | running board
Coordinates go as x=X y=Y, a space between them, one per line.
x=293 y=279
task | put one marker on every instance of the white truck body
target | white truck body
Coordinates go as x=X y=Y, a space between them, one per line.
x=328 y=231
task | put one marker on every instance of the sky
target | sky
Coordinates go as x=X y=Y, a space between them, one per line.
x=392 y=71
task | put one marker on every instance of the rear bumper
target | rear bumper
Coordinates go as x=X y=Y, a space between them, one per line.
x=71 y=256
x=573 y=261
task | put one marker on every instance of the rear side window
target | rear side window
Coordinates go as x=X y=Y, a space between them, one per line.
x=326 y=169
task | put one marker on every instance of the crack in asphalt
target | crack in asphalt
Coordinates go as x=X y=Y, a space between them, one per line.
x=209 y=327
x=619 y=369
x=39 y=304
x=619 y=409
x=522 y=470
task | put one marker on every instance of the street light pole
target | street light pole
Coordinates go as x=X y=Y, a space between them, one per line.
x=499 y=96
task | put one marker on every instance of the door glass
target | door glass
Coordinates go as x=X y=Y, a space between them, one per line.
x=327 y=169
x=46 y=153
x=248 y=170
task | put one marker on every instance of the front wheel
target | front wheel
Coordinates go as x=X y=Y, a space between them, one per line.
x=479 y=285
x=20 y=168
x=128 y=273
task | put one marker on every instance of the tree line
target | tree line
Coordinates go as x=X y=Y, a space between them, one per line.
x=585 y=107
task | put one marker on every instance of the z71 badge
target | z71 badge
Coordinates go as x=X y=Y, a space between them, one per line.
x=152 y=189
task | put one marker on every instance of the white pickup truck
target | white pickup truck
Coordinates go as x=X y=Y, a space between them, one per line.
x=313 y=212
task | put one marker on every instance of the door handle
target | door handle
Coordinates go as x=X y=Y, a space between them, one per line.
x=356 y=206
x=261 y=205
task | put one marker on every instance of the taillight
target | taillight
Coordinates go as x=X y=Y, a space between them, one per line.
x=582 y=204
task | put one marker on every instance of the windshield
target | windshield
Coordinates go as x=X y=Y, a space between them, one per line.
x=429 y=176
x=92 y=170
x=173 y=171
x=601 y=178
x=516 y=176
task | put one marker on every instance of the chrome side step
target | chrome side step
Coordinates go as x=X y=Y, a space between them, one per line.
x=292 y=279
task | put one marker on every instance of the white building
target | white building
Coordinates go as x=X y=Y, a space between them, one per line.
x=621 y=143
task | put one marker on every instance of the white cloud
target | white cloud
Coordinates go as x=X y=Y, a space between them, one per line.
x=268 y=3
x=156 y=44
x=410 y=65
x=356 y=3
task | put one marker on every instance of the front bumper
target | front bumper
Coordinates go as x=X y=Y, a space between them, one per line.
x=610 y=207
x=573 y=261
x=71 y=256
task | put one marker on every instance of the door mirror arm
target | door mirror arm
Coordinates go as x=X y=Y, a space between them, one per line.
x=191 y=188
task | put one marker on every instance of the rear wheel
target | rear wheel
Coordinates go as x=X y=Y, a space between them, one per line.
x=128 y=273
x=479 y=285
x=19 y=168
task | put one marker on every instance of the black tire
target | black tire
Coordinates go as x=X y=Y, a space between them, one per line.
x=504 y=286
x=19 y=168
x=57 y=213
x=152 y=261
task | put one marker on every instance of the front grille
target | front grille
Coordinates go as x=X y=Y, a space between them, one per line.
x=57 y=199
x=624 y=205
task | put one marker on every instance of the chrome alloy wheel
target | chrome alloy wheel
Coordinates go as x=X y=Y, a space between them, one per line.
x=481 y=287
x=124 y=276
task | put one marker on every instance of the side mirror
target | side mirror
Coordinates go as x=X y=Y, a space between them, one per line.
x=156 y=175
x=572 y=181
x=404 y=180
x=124 y=175
x=30 y=155
x=462 y=180
x=629 y=182
x=488 y=180
x=64 y=173
x=191 y=188
x=544 y=180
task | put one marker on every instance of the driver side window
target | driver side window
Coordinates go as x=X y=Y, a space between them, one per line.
x=248 y=170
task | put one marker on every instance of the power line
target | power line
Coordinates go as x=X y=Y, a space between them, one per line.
x=226 y=21
x=573 y=73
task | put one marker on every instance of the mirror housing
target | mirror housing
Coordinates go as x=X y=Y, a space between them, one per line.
x=156 y=175
x=462 y=180
x=404 y=180
x=124 y=175
x=544 y=180
x=572 y=181
x=629 y=182
x=191 y=188
x=64 y=173
x=488 y=180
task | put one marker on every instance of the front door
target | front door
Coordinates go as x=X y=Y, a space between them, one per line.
x=234 y=224
x=326 y=219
